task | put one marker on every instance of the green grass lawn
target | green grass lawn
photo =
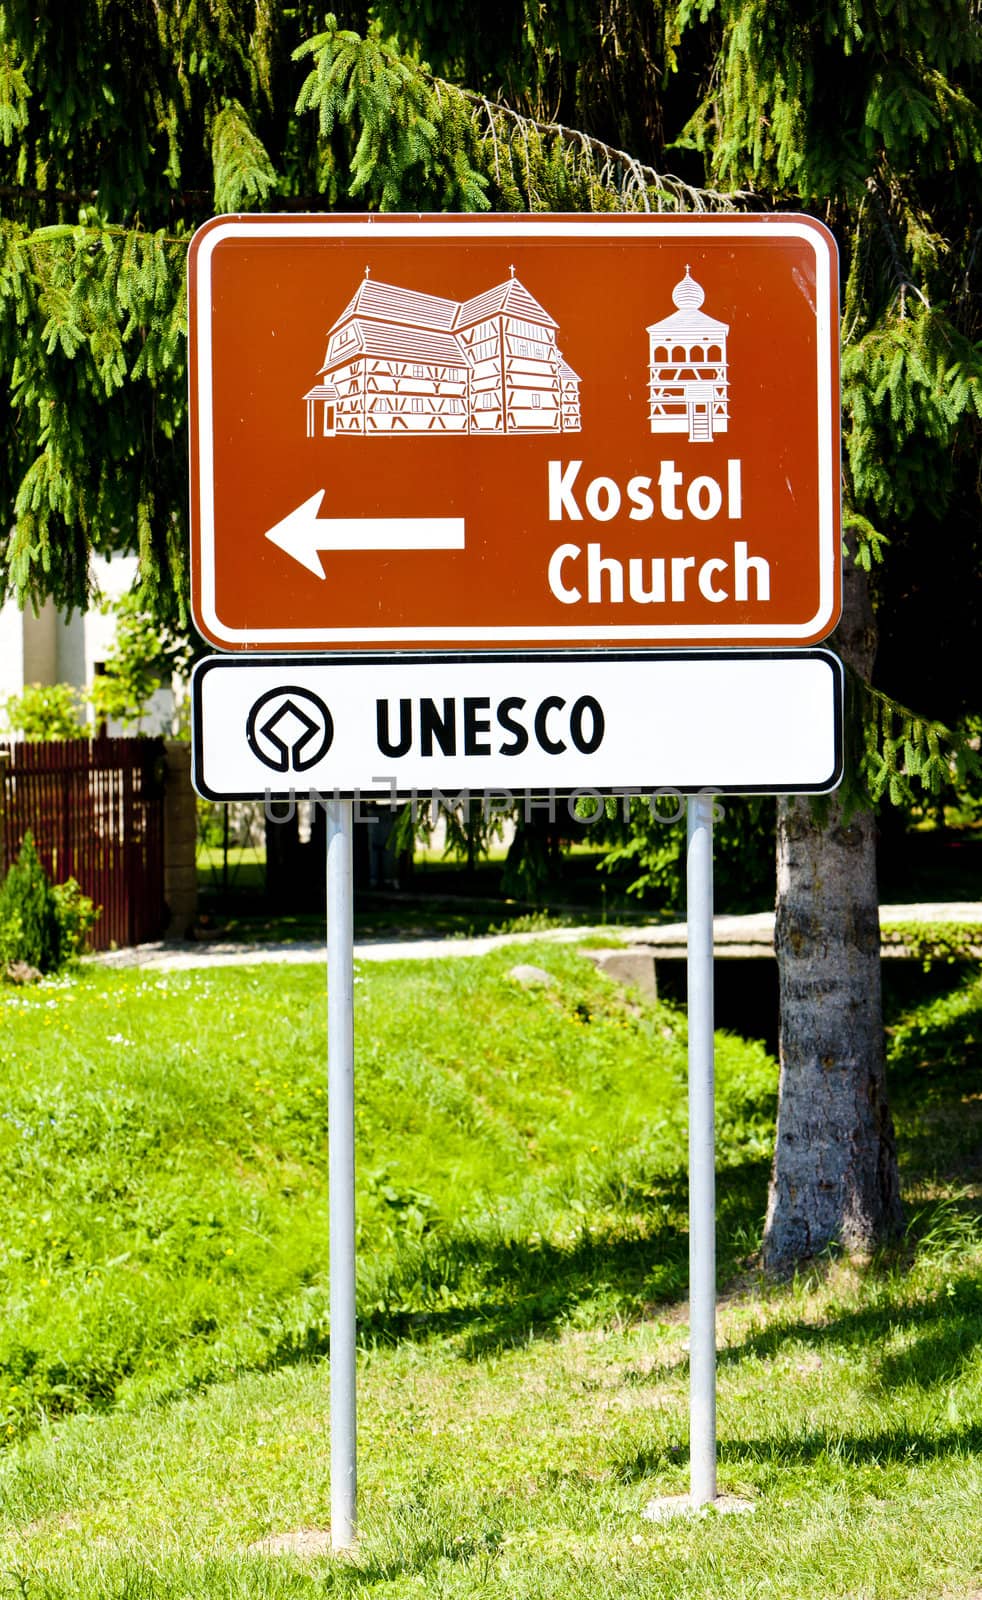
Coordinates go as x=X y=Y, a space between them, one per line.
x=241 y=871
x=522 y=1255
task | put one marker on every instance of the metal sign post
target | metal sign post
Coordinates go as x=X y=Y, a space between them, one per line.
x=338 y=731
x=454 y=439
x=341 y=1143
x=702 y=1162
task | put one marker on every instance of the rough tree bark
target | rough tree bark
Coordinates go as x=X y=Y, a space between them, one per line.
x=834 y=1179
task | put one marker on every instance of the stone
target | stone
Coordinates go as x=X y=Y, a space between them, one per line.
x=22 y=972
x=633 y=967
x=531 y=977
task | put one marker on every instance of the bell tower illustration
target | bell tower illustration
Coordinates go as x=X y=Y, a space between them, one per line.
x=688 y=384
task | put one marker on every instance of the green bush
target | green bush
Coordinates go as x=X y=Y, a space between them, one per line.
x=77 y=915
x=29 y=913
x=11 y=940
x=41 y=924
x=46 y=711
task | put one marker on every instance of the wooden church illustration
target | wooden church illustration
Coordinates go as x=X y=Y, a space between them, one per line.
x=688 y=387
x=402 y=362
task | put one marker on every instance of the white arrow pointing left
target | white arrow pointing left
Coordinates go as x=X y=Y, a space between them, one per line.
x=302 y=534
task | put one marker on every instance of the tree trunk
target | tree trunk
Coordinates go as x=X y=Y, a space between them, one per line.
x=834 y=1179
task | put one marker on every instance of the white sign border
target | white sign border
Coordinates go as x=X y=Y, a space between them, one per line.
x=780 y=226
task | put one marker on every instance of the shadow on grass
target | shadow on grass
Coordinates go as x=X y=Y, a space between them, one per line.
x=421 y=1546
x=487 y=1290
x=512 y=1291
x=892 y=1446
x=942 y=1332
x=520 y=1289
x=889 y=1447
x=493 y=1292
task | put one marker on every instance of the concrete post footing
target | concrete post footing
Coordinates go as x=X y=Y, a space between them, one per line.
x=667 y=1506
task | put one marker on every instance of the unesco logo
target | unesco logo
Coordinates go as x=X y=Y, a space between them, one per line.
x=289 y=729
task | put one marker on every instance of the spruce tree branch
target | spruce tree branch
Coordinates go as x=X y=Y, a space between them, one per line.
x=200 y=200
x=638 y=178
x=905 y=282
x=39 y=238
x=494 y=140
x=904 y=749
x=643 y=177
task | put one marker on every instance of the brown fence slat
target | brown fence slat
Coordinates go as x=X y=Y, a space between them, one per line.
x=95 y=808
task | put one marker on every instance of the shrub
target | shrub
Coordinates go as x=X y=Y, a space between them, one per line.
x=31 y=925
x=145 y=656
x=42 y=925
x=77 y=914
x=46 y=711
x=11 y=940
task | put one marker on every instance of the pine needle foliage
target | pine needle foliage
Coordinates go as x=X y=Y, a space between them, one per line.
x=92 y=345
x=396 y=138
x=807 y=100
x=912 y=398
x=244 y=176
x=907 y=756
x=404 y=134
x=867 y=115
x=124 y=124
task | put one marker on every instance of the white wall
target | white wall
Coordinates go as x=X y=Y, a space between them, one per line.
x=49 y=648
x=11 y=649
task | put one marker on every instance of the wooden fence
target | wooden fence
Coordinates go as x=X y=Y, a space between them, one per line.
x=95 y=809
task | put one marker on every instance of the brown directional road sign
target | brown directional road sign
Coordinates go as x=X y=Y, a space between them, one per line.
x=500 y=432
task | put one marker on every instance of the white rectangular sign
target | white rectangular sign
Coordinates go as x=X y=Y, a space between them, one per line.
x=743 y=722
